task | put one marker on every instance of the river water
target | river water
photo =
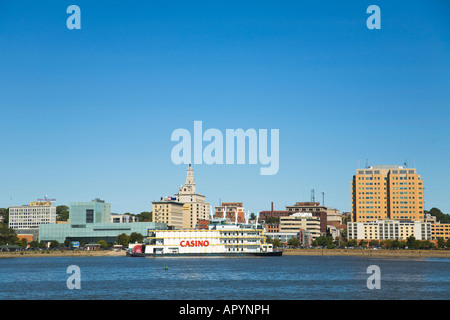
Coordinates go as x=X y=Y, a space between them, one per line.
x=252 y=278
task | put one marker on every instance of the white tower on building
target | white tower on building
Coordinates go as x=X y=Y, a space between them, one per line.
x=195 y=208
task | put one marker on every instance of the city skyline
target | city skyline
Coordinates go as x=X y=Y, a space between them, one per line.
x=89 y=113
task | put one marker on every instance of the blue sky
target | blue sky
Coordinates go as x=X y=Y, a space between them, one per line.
x=89 y=113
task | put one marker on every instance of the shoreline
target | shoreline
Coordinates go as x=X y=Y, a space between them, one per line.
x=63 y=253
x=380 y=253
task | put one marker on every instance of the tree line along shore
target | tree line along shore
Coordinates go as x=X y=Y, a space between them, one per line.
x=370 y=253
x=380 y=253
x=61 y=253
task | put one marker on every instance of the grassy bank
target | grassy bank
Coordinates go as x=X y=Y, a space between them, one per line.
x=62 y=253
x=368 y=253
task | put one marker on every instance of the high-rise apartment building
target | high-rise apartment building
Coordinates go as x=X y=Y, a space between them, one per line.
x=387 y=192
x=195 y=208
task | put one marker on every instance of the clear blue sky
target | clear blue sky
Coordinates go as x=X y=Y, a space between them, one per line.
x=89 y=113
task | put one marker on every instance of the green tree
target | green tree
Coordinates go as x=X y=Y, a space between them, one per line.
x=7 y=235
x=123 y=239
x=344 y=233
x=396 y=244
x=440 y=216
x=352 y=243
x=23 y=243
x=5 y=213
x=136 y=237
x=62 y=213
x=293 y=242
x=145 y=216
x=425 y=244
x=34 y=244
x=276 y=243
x=323 y=241
x=68 y=243
x=270 y=220
x=440 y=242
x=54 y=244
x=374 y=243
x=411 y=242
x=103 y=244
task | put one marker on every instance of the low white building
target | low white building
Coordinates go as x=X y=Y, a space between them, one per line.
x=283 y=237
x=389 y=230
x=122 y=218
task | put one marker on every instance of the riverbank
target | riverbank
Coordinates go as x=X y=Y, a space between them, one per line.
x=63 y=253
x=369 y=253
x=287 y=252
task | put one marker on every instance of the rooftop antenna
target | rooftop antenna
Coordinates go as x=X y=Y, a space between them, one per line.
x=313 y=199
x=323 y=198
x=406 y=164
x=367 y=163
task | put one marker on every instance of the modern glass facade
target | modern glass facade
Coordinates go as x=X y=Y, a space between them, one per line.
x=90 y=222
x=95 y=211
x=92 y=232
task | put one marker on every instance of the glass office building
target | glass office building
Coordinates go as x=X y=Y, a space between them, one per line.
x=90 y=222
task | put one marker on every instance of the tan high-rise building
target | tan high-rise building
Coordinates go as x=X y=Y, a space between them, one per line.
x=387 y=192
x=169 y=212
x=195 y=208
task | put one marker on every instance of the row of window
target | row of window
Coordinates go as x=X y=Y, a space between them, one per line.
x=386 y=178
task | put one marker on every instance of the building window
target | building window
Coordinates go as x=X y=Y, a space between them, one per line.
x=89 y=216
